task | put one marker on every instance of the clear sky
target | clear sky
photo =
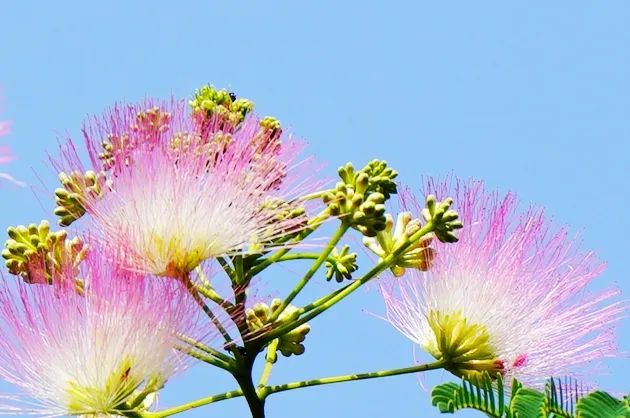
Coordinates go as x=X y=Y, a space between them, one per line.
x=532 y=97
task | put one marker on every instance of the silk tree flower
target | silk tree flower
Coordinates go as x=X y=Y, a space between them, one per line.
x=179 y=192
x=93 y=350
x=510 y=297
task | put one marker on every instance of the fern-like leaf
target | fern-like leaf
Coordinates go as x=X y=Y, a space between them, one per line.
x=480 y=395
x=528 y=403
x=562 y=397
x=602 y=405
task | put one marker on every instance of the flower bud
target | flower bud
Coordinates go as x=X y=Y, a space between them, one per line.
x=341 y=264
x=290 y=343
x=38 y=255
x=359 y=198
x=445 y=221
x=77 y=190
x=418 y=255
x=209 y=102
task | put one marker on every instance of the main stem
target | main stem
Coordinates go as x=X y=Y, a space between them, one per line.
x=243 y=376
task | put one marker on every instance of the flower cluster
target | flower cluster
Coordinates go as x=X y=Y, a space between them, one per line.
x=508 y=298
x=176 y=189
x=98 y=350
x=97 y=323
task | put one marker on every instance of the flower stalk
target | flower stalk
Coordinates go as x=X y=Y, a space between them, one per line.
x=266 y=391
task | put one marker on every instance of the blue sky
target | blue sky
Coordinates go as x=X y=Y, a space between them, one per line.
x=529 y=96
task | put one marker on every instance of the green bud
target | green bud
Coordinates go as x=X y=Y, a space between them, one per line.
x=381 y=178
x=38 y=255
x=210 y=102
x=341 y=264
x=445 y=221
x=288 y=344
x=270 y=123
x=358 y=199
x=418 y=255
x=77 y=190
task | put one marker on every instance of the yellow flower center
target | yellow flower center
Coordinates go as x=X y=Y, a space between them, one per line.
x=105 y=398
x=464 y=346
x=181 y=260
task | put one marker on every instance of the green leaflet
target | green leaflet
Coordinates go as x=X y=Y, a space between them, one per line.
x=451 y=397
x=601 y=405
x=559 y=400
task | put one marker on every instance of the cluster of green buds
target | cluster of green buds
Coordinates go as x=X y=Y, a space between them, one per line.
x=210 y=102
x=341 y=264
x=77 y=190
x=360 y=196
x=38 y=255
x=445 y=220
x=417 y=255
x=290 y=343
x=381 y=178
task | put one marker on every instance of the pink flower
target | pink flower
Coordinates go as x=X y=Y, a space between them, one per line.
x=179 y=191
x=509 y=297
x=91 y=348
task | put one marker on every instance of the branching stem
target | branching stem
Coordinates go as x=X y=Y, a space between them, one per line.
x=328 y=301
x=312 y=270
x=268 y=390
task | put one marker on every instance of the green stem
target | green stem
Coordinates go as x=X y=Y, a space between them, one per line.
x=320 y=301
x=195 y=294
x=313 y=224
x=328 y=301
x=352 y=377
x=226 y=267
x=210 y=293
x=311 y=271
x=313 y=196
x=243 y=376
x=270 y=359
x=205 y=358
x=239 y=272
x=268 y=390
x=298 y=256
x=206 y=349
x=195 y=404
